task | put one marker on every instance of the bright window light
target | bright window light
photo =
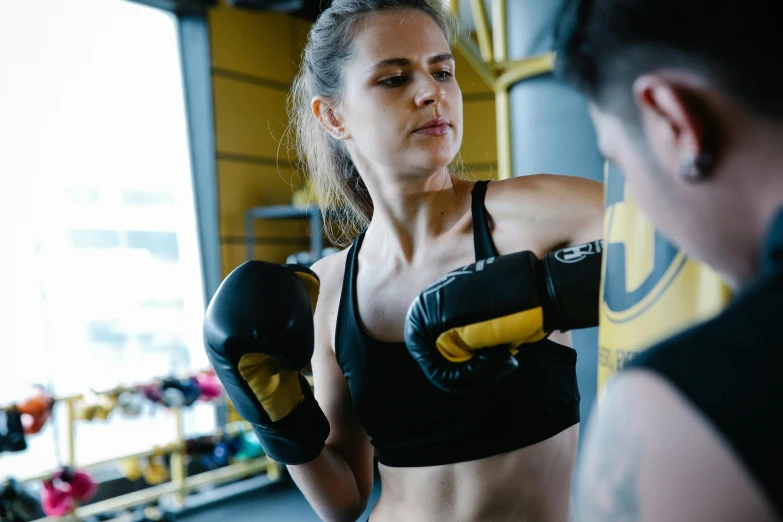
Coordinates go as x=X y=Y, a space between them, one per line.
x=100 y=274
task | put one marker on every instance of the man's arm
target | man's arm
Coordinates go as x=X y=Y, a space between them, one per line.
x=650 y=456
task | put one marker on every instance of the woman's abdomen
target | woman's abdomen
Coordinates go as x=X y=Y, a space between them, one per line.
x=532 y=484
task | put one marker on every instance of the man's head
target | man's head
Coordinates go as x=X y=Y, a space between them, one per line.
x=687 y=99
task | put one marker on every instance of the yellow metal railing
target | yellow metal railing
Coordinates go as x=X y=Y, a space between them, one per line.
x=489 y=58
x=179 y=485
x=217 y=476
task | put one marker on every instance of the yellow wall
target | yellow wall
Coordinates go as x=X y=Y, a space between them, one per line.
x=254 y=56
x=254 y=59
x=479 y=140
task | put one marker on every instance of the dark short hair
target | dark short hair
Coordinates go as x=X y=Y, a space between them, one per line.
x=604 y=45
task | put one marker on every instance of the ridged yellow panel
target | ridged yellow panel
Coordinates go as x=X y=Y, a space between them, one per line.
x=253 y=43
x=249 y=119
x=242 y=186
x=233 y=255
x=299 y=30
x=479 y=140
x=477 y=174
x=469 y=81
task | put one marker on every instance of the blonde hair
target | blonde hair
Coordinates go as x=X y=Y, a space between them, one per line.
x=336 y=183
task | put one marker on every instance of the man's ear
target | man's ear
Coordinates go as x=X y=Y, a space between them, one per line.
x=674 y=125
x=327 y=115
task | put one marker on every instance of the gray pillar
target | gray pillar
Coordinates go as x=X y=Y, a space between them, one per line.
x=551 y=132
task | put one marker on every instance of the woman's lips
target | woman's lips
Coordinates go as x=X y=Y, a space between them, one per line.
x=438 y=128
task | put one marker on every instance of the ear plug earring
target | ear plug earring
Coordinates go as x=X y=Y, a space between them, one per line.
x=696 y=168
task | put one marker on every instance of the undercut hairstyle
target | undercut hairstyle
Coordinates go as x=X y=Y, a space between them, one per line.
x=604 y=45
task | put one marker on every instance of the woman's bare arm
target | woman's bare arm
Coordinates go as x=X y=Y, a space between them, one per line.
x=338 y=483
x=545 y=212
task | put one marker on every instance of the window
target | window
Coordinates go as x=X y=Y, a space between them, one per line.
x=100 y=272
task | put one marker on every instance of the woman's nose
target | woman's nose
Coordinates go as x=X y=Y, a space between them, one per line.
x=430 y=93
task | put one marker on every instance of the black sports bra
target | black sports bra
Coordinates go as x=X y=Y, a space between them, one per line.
x=412 y=423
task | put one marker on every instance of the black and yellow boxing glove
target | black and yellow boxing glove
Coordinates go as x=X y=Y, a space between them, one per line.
x=258 y=332
x=464 y=329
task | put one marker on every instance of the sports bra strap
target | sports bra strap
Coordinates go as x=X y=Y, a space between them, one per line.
x=482 y=239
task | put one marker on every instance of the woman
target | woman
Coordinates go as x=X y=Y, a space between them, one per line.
x=379 y=118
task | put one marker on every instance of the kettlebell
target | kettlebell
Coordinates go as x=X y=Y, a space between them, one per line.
x=130 y=468
x=149 y=514
x=200 y=446
x=151 y=392
x=172 y=393
x=131 y=403
x=220 y=456
x=155 y=472
x=191 y=390
x=233 y=443
x=95 y=407
x=250 y=447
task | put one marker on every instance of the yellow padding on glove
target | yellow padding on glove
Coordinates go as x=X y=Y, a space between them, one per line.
x=459 y=344
x=277 y=389
x=312 y=284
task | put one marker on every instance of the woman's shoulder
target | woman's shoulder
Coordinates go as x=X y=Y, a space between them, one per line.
x=544 y=211
x=544 y=195
x=330 y=269
x=330 y=273
x=544 y=189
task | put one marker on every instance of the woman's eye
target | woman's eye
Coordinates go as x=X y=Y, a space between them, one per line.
x=394 y=81
x=442 y=75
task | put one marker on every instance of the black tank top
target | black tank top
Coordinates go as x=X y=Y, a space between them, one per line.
x=730 y=369
x=412 y=423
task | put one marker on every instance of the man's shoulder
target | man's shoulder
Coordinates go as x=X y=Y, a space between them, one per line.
x=751 y=321
x=650 y=454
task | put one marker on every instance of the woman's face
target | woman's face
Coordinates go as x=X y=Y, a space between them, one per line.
x=401 y=106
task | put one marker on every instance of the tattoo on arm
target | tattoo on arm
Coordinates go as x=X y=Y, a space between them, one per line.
x=607 y=484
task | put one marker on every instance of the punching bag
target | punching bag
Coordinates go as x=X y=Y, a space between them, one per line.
x=650 y=290
x=551 y=132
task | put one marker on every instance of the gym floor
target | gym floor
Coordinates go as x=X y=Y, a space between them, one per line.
x=281 y=502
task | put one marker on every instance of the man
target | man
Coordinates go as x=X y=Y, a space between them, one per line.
x=685 y=97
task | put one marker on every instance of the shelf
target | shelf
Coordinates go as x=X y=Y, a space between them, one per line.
x=311 y=212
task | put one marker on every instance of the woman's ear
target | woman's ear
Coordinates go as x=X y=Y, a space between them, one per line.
x=324 y=110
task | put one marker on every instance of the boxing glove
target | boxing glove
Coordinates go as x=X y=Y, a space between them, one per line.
x=258 y=332
x=17 y=504
x=179 y=393
x=464 y=329
x=131 y=403
x=36 y=411
x=12 y=436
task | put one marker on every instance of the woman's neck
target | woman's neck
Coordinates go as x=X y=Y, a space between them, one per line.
x=410 y=212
